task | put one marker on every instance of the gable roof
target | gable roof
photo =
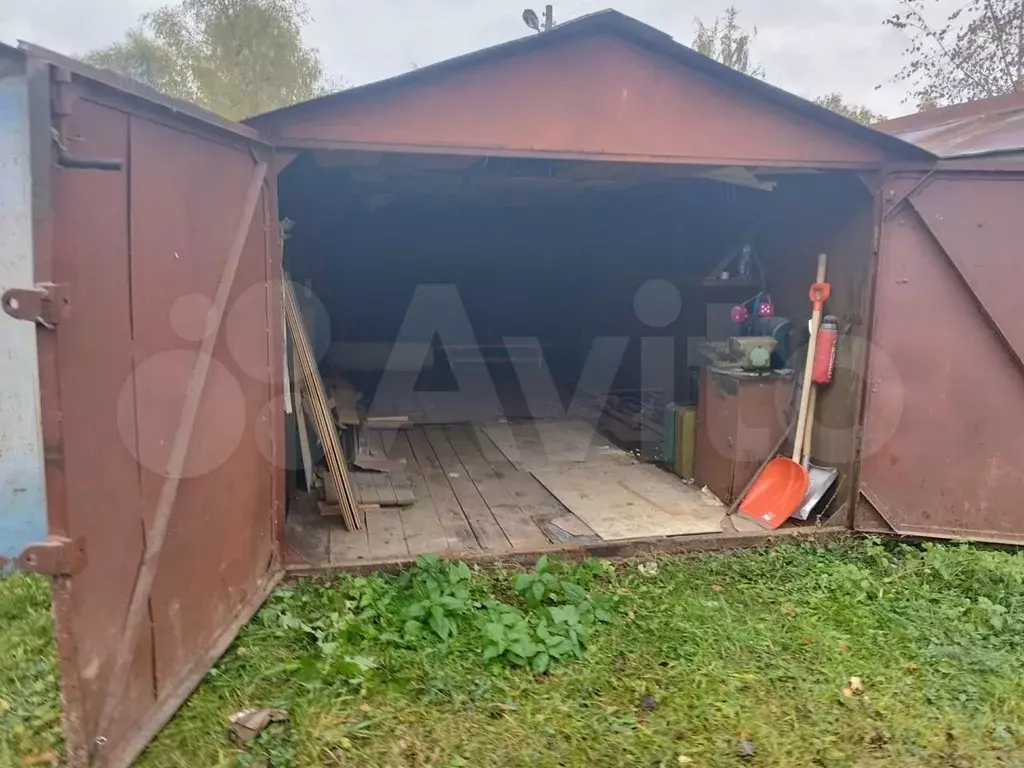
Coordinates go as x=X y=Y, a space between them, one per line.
x=638 y=33
x=983 y=127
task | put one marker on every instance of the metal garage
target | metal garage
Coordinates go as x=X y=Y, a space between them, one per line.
x=146 y=456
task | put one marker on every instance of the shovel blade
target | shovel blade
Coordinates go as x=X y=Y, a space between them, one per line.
x=820 y=482
x=777 y=493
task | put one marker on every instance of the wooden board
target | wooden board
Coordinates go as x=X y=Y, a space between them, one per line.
x=363 y=488
x=488 y=532
x=349 y=546
x=628 y=502
x=388 y=422
x=300 y=422
x=385 y=533
x=572 y=525
x=423 y=529
x=529 y=494
x=456 y=527
x=317 y=399
x=515 y=521
x=539 y=444
x=346 y=399
x=372 y=463
x=387 y=489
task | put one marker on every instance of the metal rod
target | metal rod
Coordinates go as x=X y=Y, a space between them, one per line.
x=90 y=163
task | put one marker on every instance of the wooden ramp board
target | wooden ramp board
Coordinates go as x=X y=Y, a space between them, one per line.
x=539 y=444
x=630 y=502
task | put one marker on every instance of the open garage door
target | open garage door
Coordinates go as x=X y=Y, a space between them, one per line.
x=156 y=307
x=945 y=391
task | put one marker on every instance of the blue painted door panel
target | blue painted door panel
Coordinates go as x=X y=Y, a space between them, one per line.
x=22 y=495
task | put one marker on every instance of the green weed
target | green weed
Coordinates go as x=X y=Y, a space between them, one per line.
x=437 y=593
x=862 y=653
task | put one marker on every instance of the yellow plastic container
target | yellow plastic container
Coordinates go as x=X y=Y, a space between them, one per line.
x=685 y=440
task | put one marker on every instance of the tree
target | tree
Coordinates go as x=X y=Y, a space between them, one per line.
x=725 y=41
x=975 y=52
x=858 y=112
x=142 y=58
x=234 y=57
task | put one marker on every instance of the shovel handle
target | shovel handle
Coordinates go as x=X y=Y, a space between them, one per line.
x=811 y=407
x=812 y=343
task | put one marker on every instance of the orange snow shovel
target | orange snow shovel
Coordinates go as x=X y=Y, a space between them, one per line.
x=780 y=489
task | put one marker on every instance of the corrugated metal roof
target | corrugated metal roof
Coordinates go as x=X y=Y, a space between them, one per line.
x=640 y=34
x=984 y=127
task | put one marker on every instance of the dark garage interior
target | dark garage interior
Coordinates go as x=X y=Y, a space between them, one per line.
x=543 y=258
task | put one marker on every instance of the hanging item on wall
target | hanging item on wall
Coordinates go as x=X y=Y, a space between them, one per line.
x=825 y=351
x=741 y=266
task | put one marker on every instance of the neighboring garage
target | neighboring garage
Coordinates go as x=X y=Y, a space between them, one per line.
x=945 y=407
x=528 y=273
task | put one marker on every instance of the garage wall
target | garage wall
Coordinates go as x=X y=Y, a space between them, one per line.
x=834 y=214
x=611 y=99
x=566 y=268
x=562 y=269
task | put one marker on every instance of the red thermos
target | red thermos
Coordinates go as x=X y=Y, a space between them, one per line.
x=825 y=351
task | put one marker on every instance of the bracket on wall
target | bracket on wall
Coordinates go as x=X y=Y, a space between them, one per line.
x=57 y=556
x=45 y=304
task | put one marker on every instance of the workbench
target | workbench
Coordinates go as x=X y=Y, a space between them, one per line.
x=740 y=418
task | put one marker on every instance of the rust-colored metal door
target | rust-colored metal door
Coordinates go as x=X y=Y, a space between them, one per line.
x=161 y=384
x=944 y=419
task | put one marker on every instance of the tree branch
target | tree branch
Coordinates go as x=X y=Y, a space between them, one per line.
x=936 y=38
x=1018 y=82
x=1000 y=41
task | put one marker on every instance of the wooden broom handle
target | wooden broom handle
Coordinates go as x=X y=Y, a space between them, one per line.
x=805 y=393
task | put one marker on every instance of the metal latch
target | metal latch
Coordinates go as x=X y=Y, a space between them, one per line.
x=45 y=304
x=65 y=160
x=57 y=556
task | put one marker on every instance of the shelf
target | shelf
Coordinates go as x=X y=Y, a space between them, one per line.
x=710 y=282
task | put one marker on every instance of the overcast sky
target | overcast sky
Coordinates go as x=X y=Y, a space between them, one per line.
x=806 y=46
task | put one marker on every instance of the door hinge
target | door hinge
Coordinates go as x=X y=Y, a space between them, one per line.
x=45 y=304
x=57 y=556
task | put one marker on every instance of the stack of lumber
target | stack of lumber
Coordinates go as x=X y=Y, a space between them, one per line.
x=318 y=408
x=626 y=417
x=342 y=428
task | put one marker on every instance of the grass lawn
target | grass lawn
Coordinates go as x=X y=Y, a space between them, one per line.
x=855 y=654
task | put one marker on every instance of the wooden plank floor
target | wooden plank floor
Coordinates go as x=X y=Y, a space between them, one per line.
x=469 y=498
